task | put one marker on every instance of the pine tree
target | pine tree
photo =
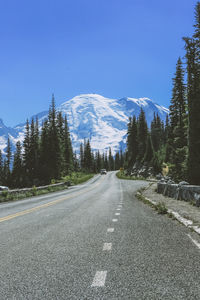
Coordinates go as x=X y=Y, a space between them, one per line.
x=106 y=165
x=1 y=168
x=88 y=159
x=142 y=135
x=149 y=150
x=177 y=134
x=110 y=160
x=68 y=152
x=98 y=161
x=17 y=172
x=26 y=155
x=132 y=142
x=55 y=151
x=44 y=159
x=117 y=161
x=157 y=132
x=34 y=153
x=193 y=94
x=82 y=157
x=7 y=163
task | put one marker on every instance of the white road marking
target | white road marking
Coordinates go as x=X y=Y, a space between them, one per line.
x=107 y=246
x=99 y=278
x=121 y=198
x=117 y=214
x=194 y=241
x=114 y=220
x=118 y=208
x=110 y=230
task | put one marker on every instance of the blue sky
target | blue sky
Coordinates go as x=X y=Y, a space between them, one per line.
x=115 y=48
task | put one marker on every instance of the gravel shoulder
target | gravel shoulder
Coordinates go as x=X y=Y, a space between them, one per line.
x=185 y=209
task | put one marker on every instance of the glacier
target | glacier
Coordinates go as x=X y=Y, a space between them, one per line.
x=102 y=120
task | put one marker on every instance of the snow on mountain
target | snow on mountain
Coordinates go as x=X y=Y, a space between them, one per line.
x=102 y=120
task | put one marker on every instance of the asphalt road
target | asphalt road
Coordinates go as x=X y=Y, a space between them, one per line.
x=95 y=241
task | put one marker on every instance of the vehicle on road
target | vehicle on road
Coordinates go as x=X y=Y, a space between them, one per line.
x=3 y=188
x=103 y=172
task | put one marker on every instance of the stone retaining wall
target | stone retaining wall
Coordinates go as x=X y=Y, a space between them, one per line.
x=180 y=192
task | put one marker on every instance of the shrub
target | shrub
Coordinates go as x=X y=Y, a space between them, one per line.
x=161 y=208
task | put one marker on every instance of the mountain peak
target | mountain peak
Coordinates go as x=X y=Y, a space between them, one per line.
x=102 y=120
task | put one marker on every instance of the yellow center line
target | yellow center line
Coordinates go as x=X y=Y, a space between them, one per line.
x=54 y=202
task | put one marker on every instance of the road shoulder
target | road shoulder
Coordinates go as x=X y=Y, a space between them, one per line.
x=183 y=211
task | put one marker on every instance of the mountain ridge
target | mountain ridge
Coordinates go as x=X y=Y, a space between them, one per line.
x=102 y=120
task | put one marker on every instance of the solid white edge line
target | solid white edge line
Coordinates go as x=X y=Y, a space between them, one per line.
x=99 y=279
x=194 y=241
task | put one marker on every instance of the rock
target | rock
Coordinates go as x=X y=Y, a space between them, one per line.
x=183 y=183
x=197 y=199
x=170 y=181
x=159 y=176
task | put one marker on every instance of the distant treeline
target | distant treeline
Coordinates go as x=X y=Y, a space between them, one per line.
x=46 y=155
x=176 y=143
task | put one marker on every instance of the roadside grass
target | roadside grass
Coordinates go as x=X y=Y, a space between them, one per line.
x=6 y=196
x=159 y=207
x=121 y=175
x=77 y=178
x=73 y=179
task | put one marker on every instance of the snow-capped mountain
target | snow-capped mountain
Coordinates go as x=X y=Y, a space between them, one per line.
x=102 y=120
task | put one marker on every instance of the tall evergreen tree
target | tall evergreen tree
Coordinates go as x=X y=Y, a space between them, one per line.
x=149 y=150
x=82 y=157
x=54 y=144
x=178 y=134
x=1 y=168
x=193 y=94
x=117 y=161
x=17 y=172
x=7 y=164
x=44 y=174
x=98 y=161
x=88 y=159
x=142 y=135
x=68 y=152
x=26 y=155
x=110 y=160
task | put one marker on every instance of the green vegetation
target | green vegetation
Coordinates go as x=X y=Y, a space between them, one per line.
x=6 y=196
x=74 y=178
x=121 y=175
x=175 y=143
x=161 y=208
x=77 y=178
x=48 y=156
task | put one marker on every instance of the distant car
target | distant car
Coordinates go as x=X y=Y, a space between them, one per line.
x=3 y=188
x=103 y=172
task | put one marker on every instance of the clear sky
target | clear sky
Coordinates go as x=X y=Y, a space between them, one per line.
x=115 y=48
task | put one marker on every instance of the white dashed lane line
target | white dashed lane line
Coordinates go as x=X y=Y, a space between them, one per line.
x=110 y=230
x=107 y=247
x=114 y=220
x=99 y=279
x=117 y=214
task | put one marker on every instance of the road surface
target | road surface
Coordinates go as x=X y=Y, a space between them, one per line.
x=95 y=241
